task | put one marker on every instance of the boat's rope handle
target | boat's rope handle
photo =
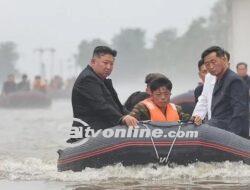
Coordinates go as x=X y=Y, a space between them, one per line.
x=152 y=140
x=173 y=144
x=171 y=147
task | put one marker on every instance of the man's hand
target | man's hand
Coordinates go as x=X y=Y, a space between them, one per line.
x=129 y=121
x=197 y=120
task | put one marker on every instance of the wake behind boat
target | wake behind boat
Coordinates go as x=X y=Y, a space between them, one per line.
x=192 y=144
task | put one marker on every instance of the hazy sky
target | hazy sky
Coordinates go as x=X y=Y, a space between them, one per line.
x=62 y=24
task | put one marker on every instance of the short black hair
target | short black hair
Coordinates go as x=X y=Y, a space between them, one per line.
x=160 y=82
x=220 y=52
x=152 y=76
x=100 y=50
x=241 y=63
x=200 y=63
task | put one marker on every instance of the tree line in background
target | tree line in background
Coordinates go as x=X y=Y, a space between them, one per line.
x=172 y=54
x=8 y=59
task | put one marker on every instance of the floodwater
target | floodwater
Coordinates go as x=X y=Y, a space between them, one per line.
x=29 y=140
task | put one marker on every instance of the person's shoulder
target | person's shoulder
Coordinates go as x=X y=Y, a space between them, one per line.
x=140 y=105
x=231 y=76
x=199 y=86
x=139 y=94
x=133 y=95
x=86 y=75
x=248 y=78
x=140 y=108
x=234 y=80
x=198 y=89
x=85 y=72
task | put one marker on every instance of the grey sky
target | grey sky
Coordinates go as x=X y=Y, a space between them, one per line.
x=62 y=24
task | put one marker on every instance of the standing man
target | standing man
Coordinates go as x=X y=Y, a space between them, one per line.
x=203 y=106
x=94 y=100
x=229 y=106
x=242 y=72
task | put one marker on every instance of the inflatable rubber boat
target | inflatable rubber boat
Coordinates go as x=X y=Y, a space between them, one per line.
x=153 y=142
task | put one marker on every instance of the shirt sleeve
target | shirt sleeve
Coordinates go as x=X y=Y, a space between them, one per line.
x=140 y=112
x=201 y=106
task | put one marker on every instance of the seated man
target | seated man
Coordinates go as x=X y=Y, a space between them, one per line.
x=39 y=84
x=9 y=86
x=157 y=107
x=94 y=99
x=24 y=85
x=138 y=96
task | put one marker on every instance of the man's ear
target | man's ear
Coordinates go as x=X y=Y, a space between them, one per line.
x=224 y=58
x=92 y=62
x=148 y=91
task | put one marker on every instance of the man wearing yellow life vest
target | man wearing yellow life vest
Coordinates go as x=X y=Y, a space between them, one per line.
x=158 y=107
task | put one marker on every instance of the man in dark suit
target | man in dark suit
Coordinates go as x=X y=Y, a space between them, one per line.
x=230 y=95
x=94 y=100
x=242 y=72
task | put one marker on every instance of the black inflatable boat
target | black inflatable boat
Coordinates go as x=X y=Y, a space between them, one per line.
x=162 y=143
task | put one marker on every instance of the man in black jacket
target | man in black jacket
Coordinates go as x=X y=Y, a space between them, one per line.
x=230 y=95
x=94 y=100
x=242 y=72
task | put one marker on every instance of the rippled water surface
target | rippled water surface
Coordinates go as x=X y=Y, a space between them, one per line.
x=29 y=140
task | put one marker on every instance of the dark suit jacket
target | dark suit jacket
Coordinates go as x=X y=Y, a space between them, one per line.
x=197 y=92
x=95 y=101
x=247 y=80
x=230 y=104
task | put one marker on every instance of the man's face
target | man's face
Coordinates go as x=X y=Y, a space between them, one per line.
x=215 y=65
x=202 y=72
x=103 y=65
x=161 y=97
x=242 y=70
